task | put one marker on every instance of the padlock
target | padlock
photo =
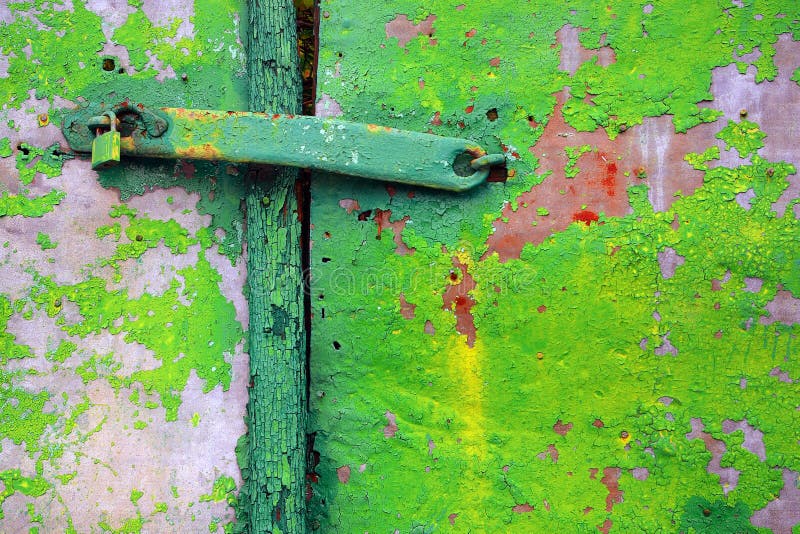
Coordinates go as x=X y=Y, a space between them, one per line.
x=105 y=147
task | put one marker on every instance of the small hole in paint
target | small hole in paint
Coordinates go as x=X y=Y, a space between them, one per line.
x=321 y=296
x=325 y=260
x=492 y=114
x=364 y=215
x=339 y=54
x=337 y=345
x=22 y=148
x=108 y=64
x=120 y=71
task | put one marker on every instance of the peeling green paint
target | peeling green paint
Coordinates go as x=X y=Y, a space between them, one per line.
x=12 y=205
x=13 y=482
x=593 y=358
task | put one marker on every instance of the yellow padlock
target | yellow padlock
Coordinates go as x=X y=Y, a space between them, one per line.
x=106 y=146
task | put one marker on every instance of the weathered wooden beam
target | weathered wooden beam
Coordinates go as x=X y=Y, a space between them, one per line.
x=272 y=498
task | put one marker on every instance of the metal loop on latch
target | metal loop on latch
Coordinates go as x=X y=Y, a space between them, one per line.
x=484 y=162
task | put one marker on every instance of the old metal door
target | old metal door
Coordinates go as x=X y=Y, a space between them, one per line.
x=122 y=319
x=607 y=339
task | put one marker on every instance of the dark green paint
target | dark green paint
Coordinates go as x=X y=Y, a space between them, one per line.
x=273 y=453
x=354 y=149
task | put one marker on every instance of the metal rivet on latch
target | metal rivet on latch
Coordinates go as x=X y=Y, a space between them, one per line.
x=106 y=146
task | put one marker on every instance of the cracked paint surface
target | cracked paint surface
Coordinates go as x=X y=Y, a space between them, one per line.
x=624 y=357
x=122 y=317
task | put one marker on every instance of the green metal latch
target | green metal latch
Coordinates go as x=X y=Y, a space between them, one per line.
x=355 y=149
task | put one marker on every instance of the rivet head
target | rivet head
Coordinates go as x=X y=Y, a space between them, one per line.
x=706 y=512
x=539 y=355
x=139 y=237
x=770 y=172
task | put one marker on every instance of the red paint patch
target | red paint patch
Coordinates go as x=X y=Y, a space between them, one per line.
x=611 y=481
x=437 y=119
x=469 y=109
x=383 y=219
x=542 y=308
x=405 y=30
x=452 y=518
x=185 y=169
x=561 y=428
x=551 y=451
x=605 y=527
x=471 y=33
x=598 y=423
x=343 y=474
x=349 y=204
x=494 y=62
x=585 y=216
x=456 y=298
x=406 y=308
x=390 y=429
x=429 y=329
x=522 y=508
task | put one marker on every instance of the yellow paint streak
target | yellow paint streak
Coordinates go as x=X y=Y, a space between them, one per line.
x=465 y=366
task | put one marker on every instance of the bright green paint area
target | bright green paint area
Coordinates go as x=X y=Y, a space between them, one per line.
x=223 y=489
x=136 y=495
x=744 y=136
x=14 y=481
x=45 y=242
x=11 y=205
x=155 y=322
x=592 y=362
x=32 y=160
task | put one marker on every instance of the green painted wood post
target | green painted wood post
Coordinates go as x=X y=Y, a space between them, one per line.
x=272 y=498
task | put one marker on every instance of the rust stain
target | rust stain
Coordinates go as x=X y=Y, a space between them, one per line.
x=206 y=151
x=457 y=299
x=383 y=219
x=406 y=308
x=651 y=154
x=562 y=428
x=611 y=481
x=405 y=30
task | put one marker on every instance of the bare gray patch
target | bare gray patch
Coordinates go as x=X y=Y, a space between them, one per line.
x=163 y=13
x=753 y=285
x=745 y=199
x=728 y=476
x=113 y=13
x=5 y=61
x=640 y=473
x=669 y=261
x=773 y=105
x=327 y=107
x=781 y=375
x=666 y=347
x=753 y=437
x=784 y=308
x=782 y=514
x=647 y=9
x=666 y=401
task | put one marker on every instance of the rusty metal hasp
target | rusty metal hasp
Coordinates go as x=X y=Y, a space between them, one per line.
x=350 y=148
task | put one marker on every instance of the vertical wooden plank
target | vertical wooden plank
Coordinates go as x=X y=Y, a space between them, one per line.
x=272 y=497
